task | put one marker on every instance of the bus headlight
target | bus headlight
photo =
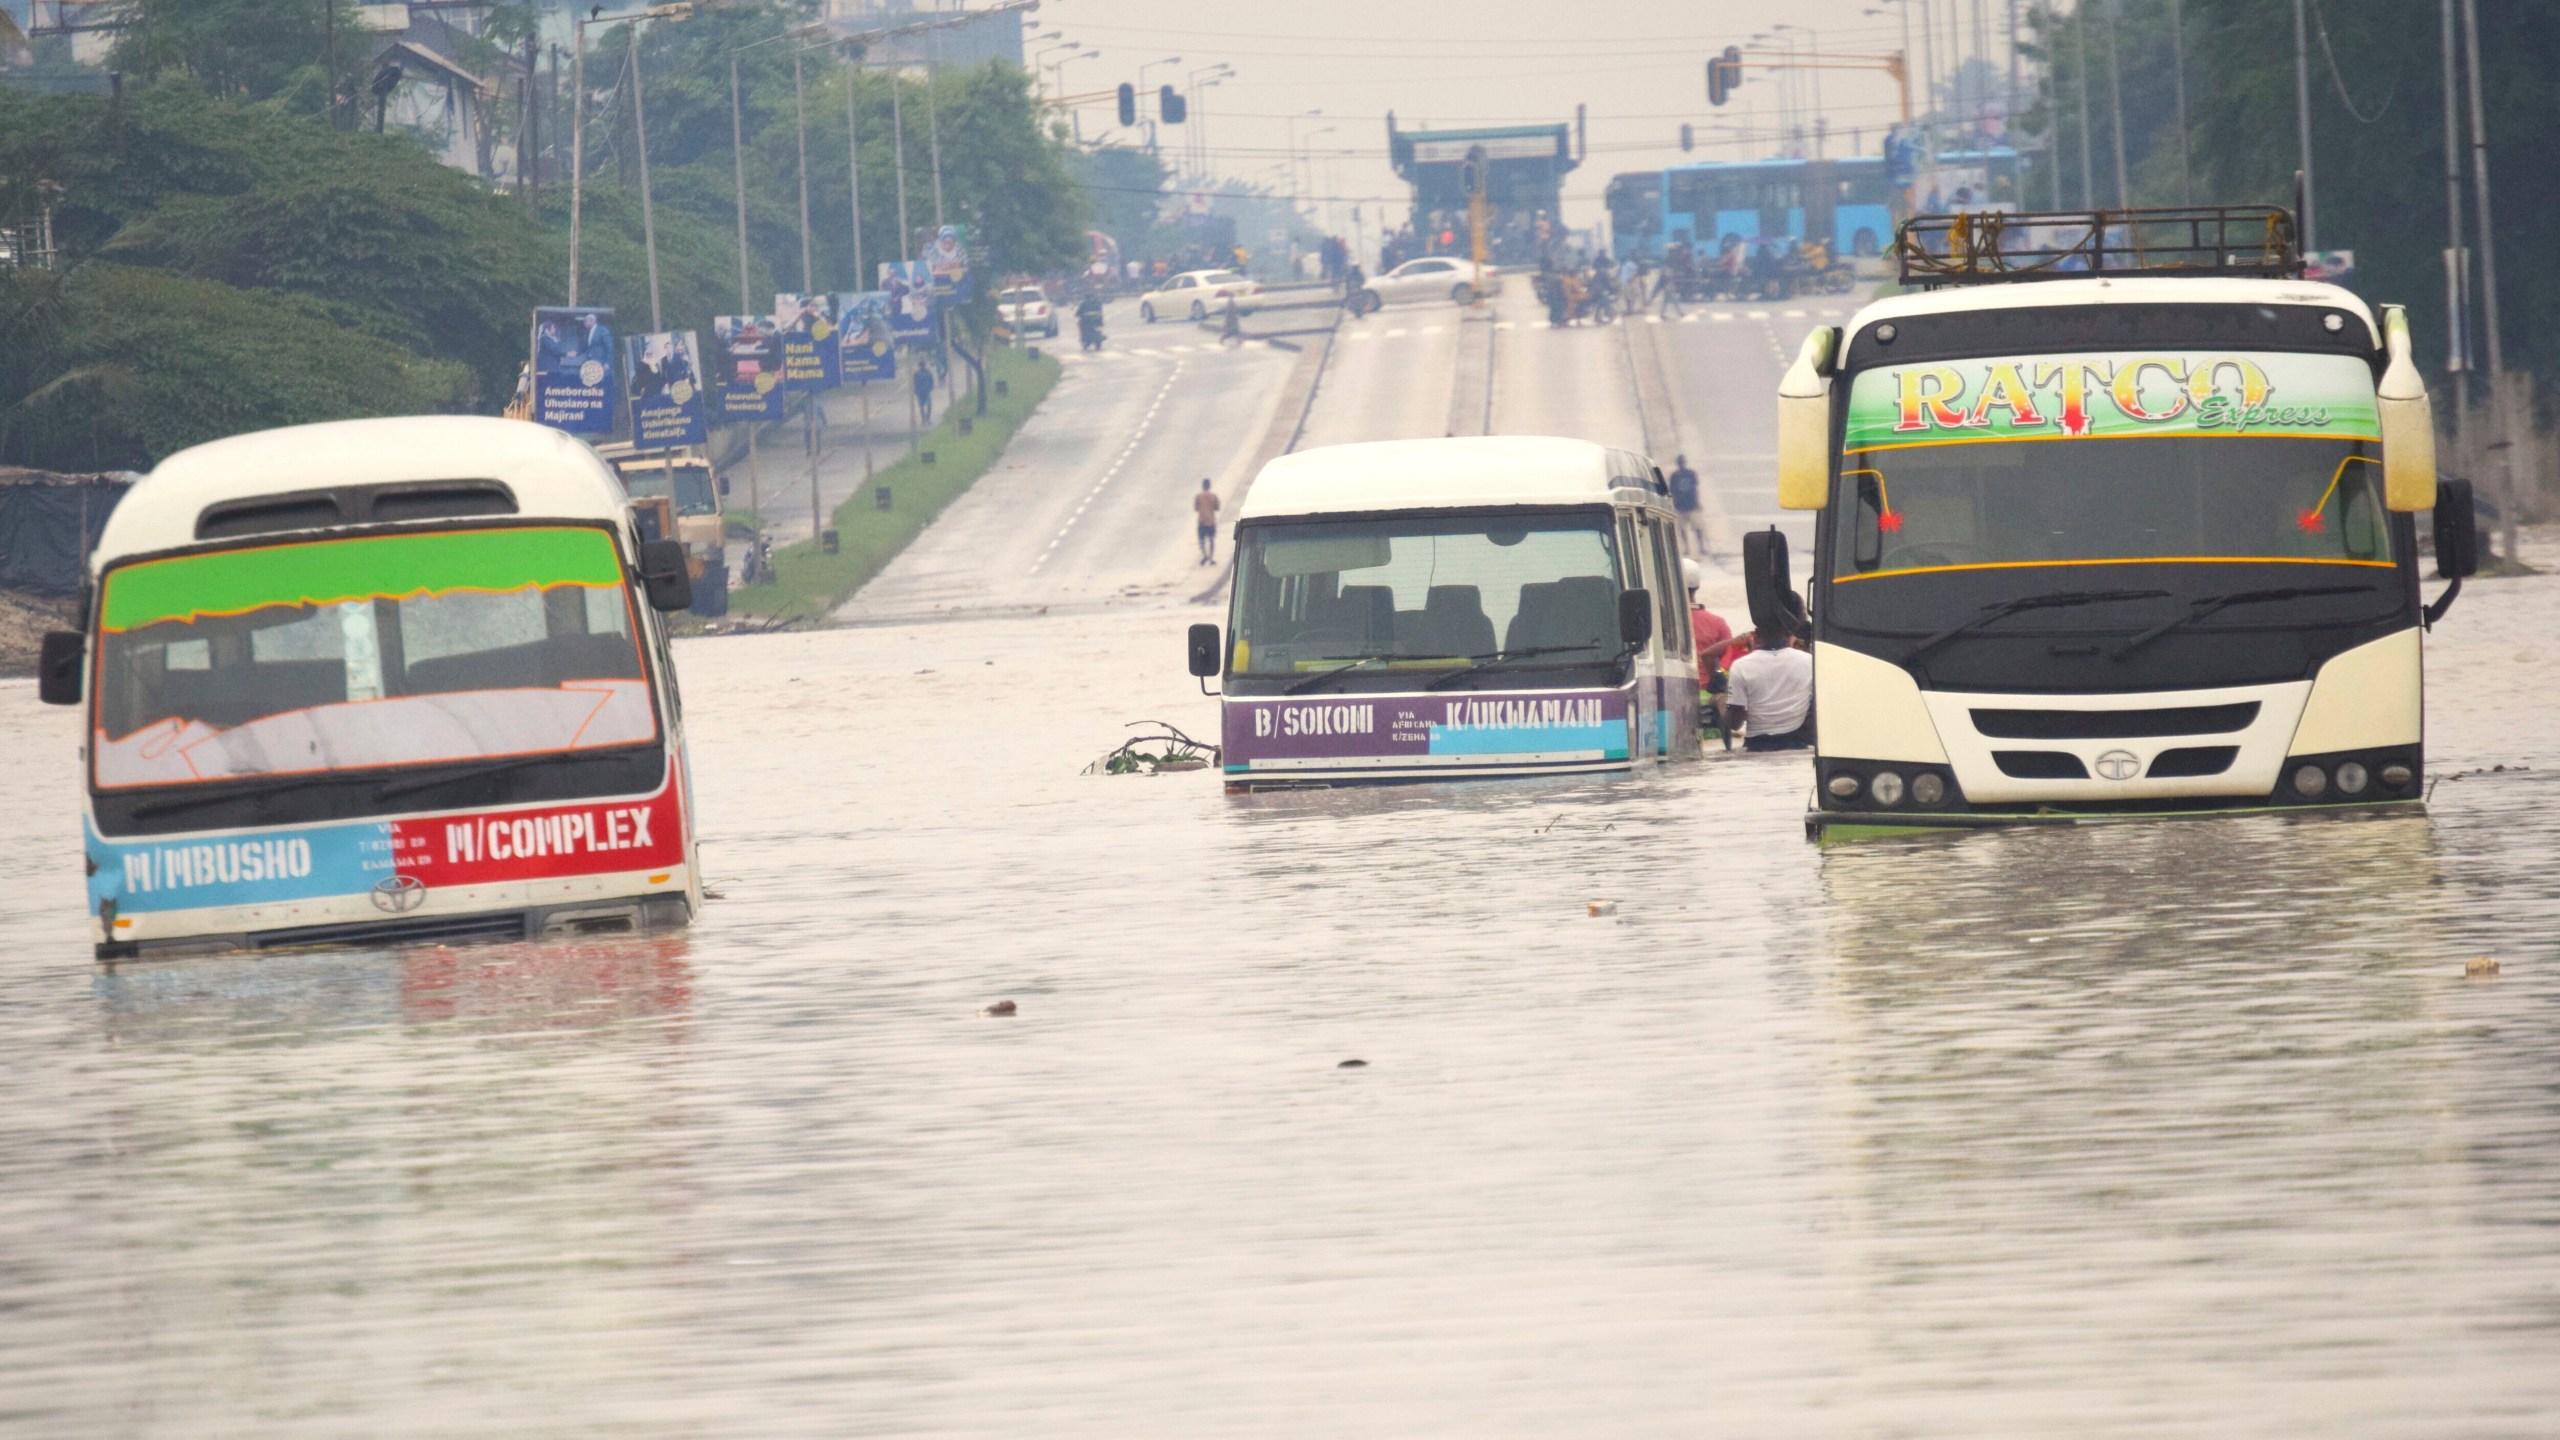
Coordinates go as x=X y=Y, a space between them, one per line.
x=2309 y=781
x=2352 y=778
x=1927 y=789
x=1843 y=786
x=1886 y=787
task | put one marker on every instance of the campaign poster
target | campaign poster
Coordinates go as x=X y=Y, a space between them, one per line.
x=574 y=367
x=665 y=372
x=909 y=288
x=946 y=258
x=811 y=358
x=750 y=366
x=870 y=343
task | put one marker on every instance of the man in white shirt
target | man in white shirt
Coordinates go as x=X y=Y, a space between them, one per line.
x=1768 y=696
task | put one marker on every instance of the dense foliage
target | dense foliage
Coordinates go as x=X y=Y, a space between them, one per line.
x=219 y=186
x=2376 y=129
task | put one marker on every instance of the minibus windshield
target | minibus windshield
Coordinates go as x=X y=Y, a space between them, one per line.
x=2054 y=464
x=365 y=652
x=1426 y=592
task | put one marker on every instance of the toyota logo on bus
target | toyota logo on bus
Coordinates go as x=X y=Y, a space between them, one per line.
x=399 y=894
x=2119 y=765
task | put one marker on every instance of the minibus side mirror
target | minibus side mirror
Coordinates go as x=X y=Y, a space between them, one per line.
x=58 y=667
x=663 y=574
x=1635 y=617
x=1204 y=651
x=1804 y=423
x=2408 y=423
x=1767 y=585
x=2457 y=532
x=2457 y=528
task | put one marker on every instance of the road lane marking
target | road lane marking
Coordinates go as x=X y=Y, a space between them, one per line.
x=1748 y=314
x=1720 y=315
x=1135 y=436
x=1396 y=334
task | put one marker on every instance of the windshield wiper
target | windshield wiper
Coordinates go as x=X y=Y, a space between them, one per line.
x=495 y=767
x=2211 y=605
x=1318 y=678
x=176 y=803
x=2056 y=600
x=1504 y=657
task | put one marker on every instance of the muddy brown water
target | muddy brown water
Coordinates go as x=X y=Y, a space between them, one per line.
x=2189 y=1129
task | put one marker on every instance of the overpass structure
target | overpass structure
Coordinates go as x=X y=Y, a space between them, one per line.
x=1524 y=181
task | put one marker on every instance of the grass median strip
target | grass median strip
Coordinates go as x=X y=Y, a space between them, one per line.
x=807 y=584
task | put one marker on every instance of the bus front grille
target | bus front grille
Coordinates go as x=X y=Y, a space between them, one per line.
x=2115 y=724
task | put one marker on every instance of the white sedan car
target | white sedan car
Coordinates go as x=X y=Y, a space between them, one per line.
x=1026 y=308
x=1198 y=294
x=1432 y=277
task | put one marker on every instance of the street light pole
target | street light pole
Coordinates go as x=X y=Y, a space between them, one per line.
x=2501 y=416
x=2115 y=105
x=648 y=211
x=577 y=147
x=2088 y=169
x=738 y=157
x=2457 y=270
x=2302 y=122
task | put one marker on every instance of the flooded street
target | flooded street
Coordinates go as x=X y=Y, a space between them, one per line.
x=2190 y=1129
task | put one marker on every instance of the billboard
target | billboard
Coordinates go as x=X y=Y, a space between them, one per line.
x=811 y=358
x=665 y=371
x=909 y=288
x=750 y=366
x=574 y=368
x=870 y=342
x=946 y=259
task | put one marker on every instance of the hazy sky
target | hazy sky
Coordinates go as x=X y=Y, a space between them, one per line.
x=1638 y=64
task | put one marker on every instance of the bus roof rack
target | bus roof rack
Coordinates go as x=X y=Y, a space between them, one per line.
x=1997 y=247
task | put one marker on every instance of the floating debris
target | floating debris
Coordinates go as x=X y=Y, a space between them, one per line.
x=1352 y=1065
x=2484 y=967
x=1161 y=750
x=1001 y=1007
x=1603 y=907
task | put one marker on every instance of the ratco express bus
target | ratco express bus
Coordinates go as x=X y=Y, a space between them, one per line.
x=379 y=680
x=2131 y=537
x=1430 y=609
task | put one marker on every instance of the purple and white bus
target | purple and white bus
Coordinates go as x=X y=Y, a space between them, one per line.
x=1437 y=609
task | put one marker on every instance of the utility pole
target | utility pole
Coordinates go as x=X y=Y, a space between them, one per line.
x=577 y=145
x=2088 y=170
x=528 y=145
x=861 y=277
x=2115 y=106
x=933 y=122
x=648 y=212
x=2178 y=74
x=898 y=141
x=2302 y=122
x=738 y=170
x=2501 y=414
x=2457 y=261
x=746 y=301
x=808 y=285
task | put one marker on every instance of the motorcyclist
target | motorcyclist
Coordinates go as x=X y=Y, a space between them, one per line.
x=1089 y=321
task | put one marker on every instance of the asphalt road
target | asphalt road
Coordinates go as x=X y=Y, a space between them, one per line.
x=1722 y=367
x=1091 y=504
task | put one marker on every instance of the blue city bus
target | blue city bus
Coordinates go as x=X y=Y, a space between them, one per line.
x=1848 y=200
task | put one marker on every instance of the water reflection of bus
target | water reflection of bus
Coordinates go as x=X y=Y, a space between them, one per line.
x=1635 y=215
x=1847 y=201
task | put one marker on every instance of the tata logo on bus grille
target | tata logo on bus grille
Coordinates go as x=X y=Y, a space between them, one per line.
x=220 y=862
x=527 y=837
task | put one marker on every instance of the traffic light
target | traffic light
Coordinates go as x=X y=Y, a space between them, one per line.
x=1172 y=106
x=1688 y=137
x=1128 y=103
x=1724 y=75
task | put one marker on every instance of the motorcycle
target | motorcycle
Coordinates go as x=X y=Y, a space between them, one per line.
x=1089 y=331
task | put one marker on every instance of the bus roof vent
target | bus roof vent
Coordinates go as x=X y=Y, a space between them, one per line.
x=404 y=503
x=1996 y=247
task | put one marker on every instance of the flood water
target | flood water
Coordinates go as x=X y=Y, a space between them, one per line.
x=2186 y=1129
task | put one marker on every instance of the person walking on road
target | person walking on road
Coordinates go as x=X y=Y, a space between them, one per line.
x=923 y=384
x=1684 y=499
x=1205 y=506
